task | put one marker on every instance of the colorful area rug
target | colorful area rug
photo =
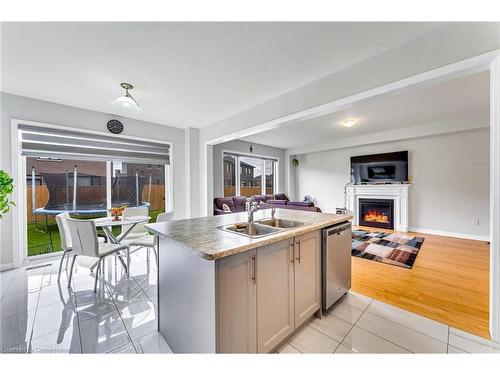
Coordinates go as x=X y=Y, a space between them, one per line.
x=397 y=249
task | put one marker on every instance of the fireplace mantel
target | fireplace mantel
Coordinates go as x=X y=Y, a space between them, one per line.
x=397 y=192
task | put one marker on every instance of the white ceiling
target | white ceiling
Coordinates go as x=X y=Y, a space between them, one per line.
x=454 y=102
x=186 y=74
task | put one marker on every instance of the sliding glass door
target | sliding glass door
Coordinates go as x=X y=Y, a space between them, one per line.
x=85 y=174
x=60 y=185
x=81 y=187
x=135 y=184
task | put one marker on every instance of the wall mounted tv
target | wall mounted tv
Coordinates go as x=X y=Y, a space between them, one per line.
x=380 y=168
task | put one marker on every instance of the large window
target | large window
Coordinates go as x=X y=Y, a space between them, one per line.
x=270 y=176
x=248 y=175
x=229 y=173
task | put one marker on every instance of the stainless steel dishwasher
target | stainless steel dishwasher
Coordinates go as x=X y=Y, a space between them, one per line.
x=336 y=262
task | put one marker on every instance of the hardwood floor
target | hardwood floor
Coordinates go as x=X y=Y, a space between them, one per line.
x=449 y=282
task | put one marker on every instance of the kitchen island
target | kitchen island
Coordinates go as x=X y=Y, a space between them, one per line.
x=220 y=291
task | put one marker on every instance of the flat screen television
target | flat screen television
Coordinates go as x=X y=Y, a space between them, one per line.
x=380 y=168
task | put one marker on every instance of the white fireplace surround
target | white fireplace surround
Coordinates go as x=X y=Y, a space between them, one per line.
x=397 y=192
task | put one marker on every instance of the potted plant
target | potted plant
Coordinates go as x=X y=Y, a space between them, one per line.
x=6 y=189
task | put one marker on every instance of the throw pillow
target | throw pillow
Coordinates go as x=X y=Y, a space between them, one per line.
x=226 y=208
x=281 y=197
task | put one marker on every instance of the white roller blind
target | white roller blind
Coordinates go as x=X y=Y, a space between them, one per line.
x=56 y=143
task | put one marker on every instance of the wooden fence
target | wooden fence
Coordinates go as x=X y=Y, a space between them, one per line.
x=41 y=199
x=86 y=193
x=157 y=196
x=246 y=191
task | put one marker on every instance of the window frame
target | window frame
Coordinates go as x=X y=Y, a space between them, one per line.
x=237 y=155
x=18 y=169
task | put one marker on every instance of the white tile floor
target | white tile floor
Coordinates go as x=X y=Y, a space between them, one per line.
x=357 y=324
x=40 y=315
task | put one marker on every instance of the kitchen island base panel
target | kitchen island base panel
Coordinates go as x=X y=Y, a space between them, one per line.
x=186 y=299
x=245 y=303
x=222 y=292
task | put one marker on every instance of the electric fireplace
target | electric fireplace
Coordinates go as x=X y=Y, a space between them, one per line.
x=377 y=213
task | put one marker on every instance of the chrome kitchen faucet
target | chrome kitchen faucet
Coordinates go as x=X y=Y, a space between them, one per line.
x=252 y=207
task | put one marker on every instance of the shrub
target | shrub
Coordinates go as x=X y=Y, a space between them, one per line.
x=6 y=189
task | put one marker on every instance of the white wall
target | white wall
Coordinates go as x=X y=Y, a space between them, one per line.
x=450 y=179
x=243 y=147
x=192 y=161
x=438 y=48
x=13 y=106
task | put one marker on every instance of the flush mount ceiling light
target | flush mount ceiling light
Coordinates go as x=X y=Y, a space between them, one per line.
x=126 y=103
x=349 y=123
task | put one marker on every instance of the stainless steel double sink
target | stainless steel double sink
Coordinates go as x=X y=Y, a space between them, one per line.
x=261 y=228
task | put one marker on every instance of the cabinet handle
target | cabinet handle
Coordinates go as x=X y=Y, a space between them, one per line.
x=293 y=252
x=253 y=270
x=298 y=258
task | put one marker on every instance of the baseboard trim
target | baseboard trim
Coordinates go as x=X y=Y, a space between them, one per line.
x=450 y=234
x=6 y=266
x=32 y=260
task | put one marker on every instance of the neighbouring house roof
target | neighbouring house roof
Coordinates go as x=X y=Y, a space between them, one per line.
x=94 y=168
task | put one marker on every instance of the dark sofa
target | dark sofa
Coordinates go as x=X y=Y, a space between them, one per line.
x=237 y=204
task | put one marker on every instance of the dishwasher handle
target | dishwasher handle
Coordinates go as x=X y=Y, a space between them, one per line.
x=338 y=229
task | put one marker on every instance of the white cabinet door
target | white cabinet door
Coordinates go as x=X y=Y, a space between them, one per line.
x=307 y=261
x=275 y=294
x=236 y=304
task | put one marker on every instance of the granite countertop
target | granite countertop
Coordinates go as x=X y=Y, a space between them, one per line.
x=203 y=238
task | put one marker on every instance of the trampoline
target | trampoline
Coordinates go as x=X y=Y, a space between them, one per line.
x=78 y=194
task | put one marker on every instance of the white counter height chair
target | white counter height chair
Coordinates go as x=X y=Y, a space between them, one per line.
x=66 y=245
x=140 y=237
x=62 y=225
x=139 y=230
x=86 y=243
x=164 y=217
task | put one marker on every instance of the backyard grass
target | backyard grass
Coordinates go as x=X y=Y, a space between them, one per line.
x=38 y=237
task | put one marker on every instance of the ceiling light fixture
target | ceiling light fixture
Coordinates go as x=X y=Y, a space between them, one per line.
x=126 y=103
x=349 y=123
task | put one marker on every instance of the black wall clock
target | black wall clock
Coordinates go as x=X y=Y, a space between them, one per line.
x=115 y=126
